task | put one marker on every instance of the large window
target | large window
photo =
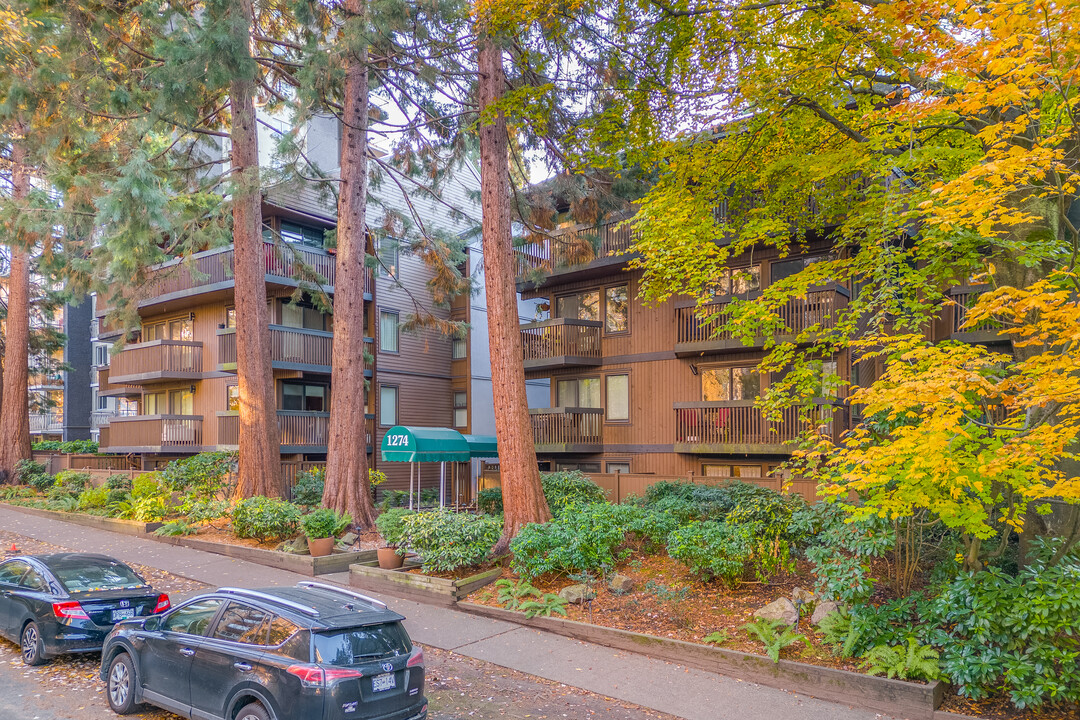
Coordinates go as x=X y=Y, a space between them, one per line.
x=388 y=405
x=172 y=402
x=731 y=471
x=730 y=383
x=459 y=349
x=295 y=233
x=739 y=280
x=617 y=408
x=302 y=315
x=579 y=392
x=308 y=397
x=178 y=329
x=617 y=309
x=580 y=306
x=461 y=409
x=389 y=335
x=389 y=254
x=786 y=268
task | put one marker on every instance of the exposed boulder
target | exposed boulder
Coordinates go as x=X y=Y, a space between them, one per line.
x=576 y=594
x=620 y=584
x=824 y=610
x=782 y=610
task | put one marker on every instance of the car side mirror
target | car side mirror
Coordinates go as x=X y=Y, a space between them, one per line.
x=152 y=623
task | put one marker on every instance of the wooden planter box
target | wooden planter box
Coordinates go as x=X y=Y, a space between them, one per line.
x=413 y=586
x=893 y=697
x=125 y=527
x=301 y=564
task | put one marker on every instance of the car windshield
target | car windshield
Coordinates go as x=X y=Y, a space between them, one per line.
x=353 y=646
x=90 y=575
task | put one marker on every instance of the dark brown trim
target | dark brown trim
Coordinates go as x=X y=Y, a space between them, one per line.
x=413 y=373
x=638 y=357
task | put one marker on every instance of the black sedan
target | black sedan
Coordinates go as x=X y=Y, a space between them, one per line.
x=68 y=602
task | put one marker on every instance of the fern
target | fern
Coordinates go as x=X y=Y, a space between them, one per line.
x=919 y=662
x=841 y=633
x=719 y=637
x=774 y=635
x=549 y=603
x=513 y=594
x=175 y=528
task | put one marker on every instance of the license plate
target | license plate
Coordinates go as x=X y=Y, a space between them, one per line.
x=383 y=682
x=124 y=614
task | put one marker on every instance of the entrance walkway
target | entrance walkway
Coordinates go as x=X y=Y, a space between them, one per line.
x=644 y=681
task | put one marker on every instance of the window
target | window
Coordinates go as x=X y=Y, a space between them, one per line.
x=100 y=403
x=302 y=315
x=155 y=404
x=230 y=317
x=306 y=397
x=181 y=402
x=34 y=580
x=732 y=471
x=192 y=619
x=232 y=398
x=730 y=383
x=786 y=268
x=616 y=309
x=178 y=329
x=618 y=398
x=12 y=571
x=295 y=233
x=618 y=467
x=459 y=349
x=353 y=646
x=101 y=355
x=281 y=630
x=84 y=575
x=580 y=392
x=388 y=332
x=826 y=378
x=582 y=306
x=242 y=624
x=585 y=467
x=461 y=409
x=126 y=407
x=388 y=400
x=387 y=250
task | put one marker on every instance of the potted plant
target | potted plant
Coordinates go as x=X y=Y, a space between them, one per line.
x=391 y=525
x=321 y=526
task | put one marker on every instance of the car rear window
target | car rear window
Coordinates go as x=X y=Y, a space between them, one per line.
x=354 y=646
x=96 y=575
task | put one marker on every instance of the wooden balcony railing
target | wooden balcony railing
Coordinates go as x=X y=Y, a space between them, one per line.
x=296 y=428
x=157 y=360
x=152 y=432
x=701 y=330
x=49 y=422
x=965 y=298
x=287 y=345
x=566 y=429
x=574 y=246
x=561 y=341
x=738 y=426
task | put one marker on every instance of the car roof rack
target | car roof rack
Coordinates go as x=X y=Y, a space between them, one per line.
x=305 y=609
x=340 y=591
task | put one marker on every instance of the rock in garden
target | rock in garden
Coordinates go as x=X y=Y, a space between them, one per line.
x=298 y=546
x=782 y=610
x=348 y=538
x=798 y=595
x=576 y=594
x=620 y=584
x=823 y=610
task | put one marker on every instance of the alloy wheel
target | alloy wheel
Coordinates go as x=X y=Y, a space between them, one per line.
x=119 y=684
x=29 y=644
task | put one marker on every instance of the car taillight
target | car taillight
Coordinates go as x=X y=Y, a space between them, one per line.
x=69 y=611
x=415 y=658
x=317 y=677
x=163 y=603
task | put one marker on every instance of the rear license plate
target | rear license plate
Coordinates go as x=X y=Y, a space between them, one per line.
x=124 y=614
x=383 y=682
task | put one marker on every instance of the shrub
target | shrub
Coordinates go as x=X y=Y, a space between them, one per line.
x=713 y=550
x=118 y=482
x=265 y=518
x=391 y=526
x=16 y=492
x=72 y=481
x=202 y=511
x=774 y=635
x=69 y=447
x=489 y=501
x=33 y=474
x=565 y=488
x=117 y=496
x=66 y=503
x=308 y=489
x=913 y=662
x=708 y=501
x=94 y=498
x=146 y=485
x=393 y=498
x=204 y=476
x=175 y=528
x=324 y=523
x=449 y=540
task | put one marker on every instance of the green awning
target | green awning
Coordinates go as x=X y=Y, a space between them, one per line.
x=424 y=444
x=482 y=446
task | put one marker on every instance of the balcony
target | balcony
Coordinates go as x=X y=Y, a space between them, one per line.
x=46 y=423
x=737 y=427
x=290 y=349
x=699 y=331
x=106 y=388
x=101 y=418
x=157 y=361
x=573 y=249
x=299 y=431
x=561 y=342
x=568 y=430
x=152 y=433
x=987 y=331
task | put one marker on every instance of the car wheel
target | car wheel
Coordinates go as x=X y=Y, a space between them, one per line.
x=120 y=686
x=33 y=648
x=253 y=711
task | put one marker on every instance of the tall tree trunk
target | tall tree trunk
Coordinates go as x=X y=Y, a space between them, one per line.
x=260 y=457
x=14 y=410
x=523 y=495
x=347 y=487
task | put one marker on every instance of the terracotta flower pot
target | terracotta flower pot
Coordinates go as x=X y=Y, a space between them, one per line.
x=389 y=558
x=320 y=546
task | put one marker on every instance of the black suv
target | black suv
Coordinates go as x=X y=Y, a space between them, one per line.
x=310 y=652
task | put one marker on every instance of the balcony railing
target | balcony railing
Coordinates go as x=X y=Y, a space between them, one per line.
x=288 y=345
x=965 y=298
x=156 y=361
x=737 y=426
x=566 y=429
x=297 y=429
x=149 y=433
x=698 y=331
x=561 y=342
x=107 y=388
x=574 y=247
x=51 y=422
x=101 y=418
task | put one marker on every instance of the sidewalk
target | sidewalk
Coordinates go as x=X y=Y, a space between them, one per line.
x=655 y=684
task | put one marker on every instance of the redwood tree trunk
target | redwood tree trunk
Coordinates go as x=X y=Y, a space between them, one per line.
x=14 y=406
x=523 y=496
x=260 y=458
x=347 y=488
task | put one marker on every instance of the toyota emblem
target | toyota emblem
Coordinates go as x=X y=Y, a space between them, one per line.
x=387 y=667
x=125 y=603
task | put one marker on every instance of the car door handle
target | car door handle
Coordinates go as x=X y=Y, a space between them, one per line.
x=187 y=651
x=241 y=666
